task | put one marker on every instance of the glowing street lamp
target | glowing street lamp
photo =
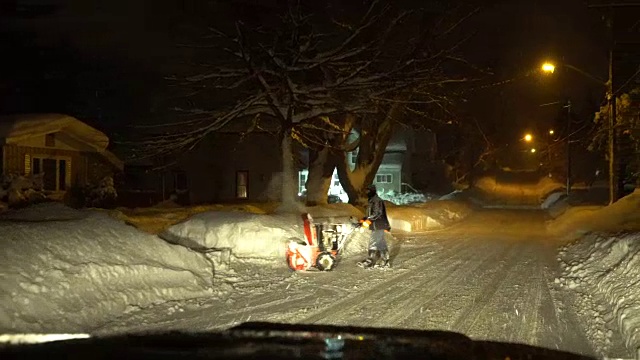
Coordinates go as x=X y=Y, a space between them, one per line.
x=528 y=137
x=533 y=150
x=548 y=68
x=551 y=132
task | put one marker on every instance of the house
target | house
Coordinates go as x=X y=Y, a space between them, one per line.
x=223 y=167
x=389 y=178
x=66 y=151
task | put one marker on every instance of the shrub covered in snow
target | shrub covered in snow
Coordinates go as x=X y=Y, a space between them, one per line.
x=403 y=198
x=76 y=274
x=100 y=195
x=18 y=190
x=605 y=271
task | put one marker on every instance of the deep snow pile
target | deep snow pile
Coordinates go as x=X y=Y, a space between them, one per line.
x=621 y=215
x=605 y=271
x=428 y=216
x=489 y=190
x=74 y=273
x=254 y=235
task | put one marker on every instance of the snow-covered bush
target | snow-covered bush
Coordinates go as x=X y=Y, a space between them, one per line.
x=18 y=190
x=102 y=195
x=403 y=198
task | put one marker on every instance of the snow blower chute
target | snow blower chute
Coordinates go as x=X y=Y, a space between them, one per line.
x=321 y=246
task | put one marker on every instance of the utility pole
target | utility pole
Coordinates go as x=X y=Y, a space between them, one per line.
x=611 y=99
x=568 y=106
x=615 y=188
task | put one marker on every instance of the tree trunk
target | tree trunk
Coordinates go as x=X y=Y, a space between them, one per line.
x=289 y=201
x=321 y=166
x=374 y=138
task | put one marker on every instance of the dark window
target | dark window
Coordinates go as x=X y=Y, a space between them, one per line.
x=36 y=166
x=62 y=175
x=180 y=181
x=242 y=179
x=50 y=140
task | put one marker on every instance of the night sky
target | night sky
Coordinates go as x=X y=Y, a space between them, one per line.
x=119 y=51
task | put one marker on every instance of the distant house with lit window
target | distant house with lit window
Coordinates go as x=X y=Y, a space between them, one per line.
x=391 y=174
x=66 y=151
x=229 y=166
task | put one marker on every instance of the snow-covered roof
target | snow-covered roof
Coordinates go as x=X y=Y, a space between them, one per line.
x=15 y=128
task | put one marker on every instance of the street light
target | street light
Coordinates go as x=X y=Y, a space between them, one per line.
x=548 y=67
x=551 y=132
x=528 y=137
x=614 y=186
x=533 y=150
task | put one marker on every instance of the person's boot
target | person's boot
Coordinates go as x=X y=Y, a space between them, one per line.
x=384 y=255
x=369 y=261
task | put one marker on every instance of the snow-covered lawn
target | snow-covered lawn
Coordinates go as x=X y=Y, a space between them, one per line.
x=605 y=271
x=66 y=270
x=157 y=219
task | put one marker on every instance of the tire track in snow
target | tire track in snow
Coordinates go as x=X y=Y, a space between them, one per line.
x=467 y=319
x=416 y=304
x=412 y=305
x=346 y=307
x=272 y=304
x=532 y=337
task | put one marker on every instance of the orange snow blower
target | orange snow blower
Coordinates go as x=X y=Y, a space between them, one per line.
x=322 y=244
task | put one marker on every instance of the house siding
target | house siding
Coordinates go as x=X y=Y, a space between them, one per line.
x=211 y=169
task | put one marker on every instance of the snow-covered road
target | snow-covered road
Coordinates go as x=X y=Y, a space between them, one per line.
x=488 y=277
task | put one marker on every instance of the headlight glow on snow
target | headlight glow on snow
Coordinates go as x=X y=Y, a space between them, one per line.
x=38 y=338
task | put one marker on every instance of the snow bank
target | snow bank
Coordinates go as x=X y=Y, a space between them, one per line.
x=71 y=271
x=609 y=268
x=428 y=216
x=247 y=235
x=621 y=215
x=252 y=235
x=489 y=190
x=159 y=218
x=553 y=199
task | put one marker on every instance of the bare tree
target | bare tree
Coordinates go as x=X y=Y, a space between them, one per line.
x=316 y=78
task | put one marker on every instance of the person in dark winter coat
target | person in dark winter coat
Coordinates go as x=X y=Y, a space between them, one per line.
x=377 y=216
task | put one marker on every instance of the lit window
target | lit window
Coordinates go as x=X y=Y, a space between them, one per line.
x=384 y=178
x=242 y=178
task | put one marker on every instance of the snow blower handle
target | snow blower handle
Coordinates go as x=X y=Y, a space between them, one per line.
x=366 y=222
